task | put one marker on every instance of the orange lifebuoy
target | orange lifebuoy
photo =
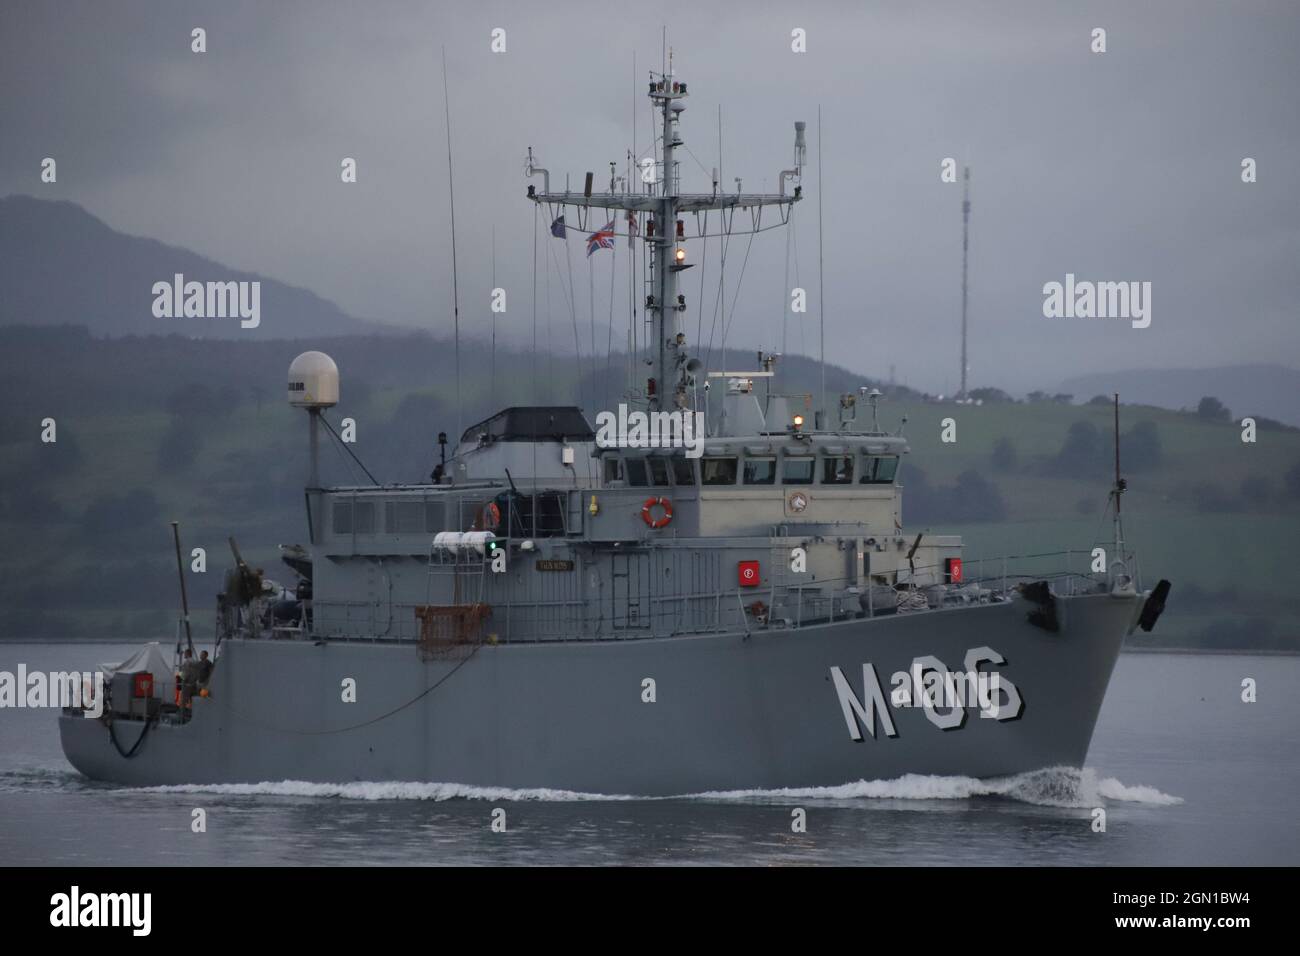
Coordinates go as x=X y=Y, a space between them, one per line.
x=647 y=512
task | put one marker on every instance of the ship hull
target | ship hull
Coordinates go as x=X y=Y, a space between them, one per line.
x=729 y=712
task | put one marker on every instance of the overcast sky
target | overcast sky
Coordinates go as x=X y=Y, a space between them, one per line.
x=1117 y=166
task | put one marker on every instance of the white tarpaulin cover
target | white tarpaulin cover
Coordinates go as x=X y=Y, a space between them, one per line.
x=153 y=659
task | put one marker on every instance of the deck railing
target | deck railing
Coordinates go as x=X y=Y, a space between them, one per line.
x=785 y=601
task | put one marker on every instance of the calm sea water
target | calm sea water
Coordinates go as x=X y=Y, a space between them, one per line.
x=1187 y=773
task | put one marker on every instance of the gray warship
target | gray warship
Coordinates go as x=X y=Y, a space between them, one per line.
x=641 y=607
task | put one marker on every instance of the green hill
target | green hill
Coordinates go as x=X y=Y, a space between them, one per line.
x=155 y=429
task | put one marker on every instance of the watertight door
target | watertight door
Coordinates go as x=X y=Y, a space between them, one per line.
x=630 y=591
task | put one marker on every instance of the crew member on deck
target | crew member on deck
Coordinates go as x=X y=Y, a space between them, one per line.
x=189 y=677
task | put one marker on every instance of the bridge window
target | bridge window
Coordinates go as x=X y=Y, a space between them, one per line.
x=683 y=470
x=342 y=517
x=798 y=471
x=404 y=517
x=760 y=471
x=539 y=514
x=878 y=470
x=363 y=517
x=658 y=471
x=837 y=470
x=718 y=471
x=550 y=514
x=354 y=517
x=636 y=472
x=613 y=469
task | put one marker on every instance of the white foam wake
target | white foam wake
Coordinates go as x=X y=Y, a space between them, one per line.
x=383 y=790
x=1053 y=787
x=1112 y=789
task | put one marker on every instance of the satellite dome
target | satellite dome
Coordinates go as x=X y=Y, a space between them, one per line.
x=313 y=381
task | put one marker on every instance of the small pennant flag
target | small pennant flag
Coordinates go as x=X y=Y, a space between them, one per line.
x=557 y=227
x=604 y=239
x=632 y=228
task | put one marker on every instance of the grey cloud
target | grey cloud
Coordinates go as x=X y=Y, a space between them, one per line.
x=1119 y=166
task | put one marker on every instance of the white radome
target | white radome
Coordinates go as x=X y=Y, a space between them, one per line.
x=313 y=381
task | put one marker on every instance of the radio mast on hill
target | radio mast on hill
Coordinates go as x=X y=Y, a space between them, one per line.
x=965 y=246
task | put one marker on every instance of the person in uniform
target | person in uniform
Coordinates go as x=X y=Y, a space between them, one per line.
x=189 y=677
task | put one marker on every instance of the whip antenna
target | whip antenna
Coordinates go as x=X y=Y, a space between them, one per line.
x=180 y=570
x=455 y=289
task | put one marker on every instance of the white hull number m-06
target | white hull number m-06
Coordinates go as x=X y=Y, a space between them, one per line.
x=944 y=695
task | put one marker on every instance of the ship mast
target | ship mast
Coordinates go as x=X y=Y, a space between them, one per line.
x=662 y=203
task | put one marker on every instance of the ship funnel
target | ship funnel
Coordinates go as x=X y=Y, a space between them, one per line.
x=778 y=412
x=313 y=381
x=741 y=414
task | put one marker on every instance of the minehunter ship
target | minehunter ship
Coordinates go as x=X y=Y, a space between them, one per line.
x=742 y=611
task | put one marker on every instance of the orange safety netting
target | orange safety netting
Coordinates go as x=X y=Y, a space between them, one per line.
x=446 y=629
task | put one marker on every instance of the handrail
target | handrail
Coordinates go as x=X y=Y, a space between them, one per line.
x=790 y=602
